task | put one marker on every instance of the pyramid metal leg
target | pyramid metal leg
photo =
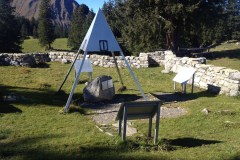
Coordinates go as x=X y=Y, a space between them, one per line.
x=75 y=84
x=135 y=79
x=114 y=58
x=69 y=71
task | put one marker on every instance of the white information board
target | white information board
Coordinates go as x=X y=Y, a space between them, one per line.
x=184 y=75
x=87 y=66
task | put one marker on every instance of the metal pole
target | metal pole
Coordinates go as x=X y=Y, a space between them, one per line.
x=150 y=127
x=75 y=83
x=135 y=79
x=124 y=132
x=119 y=126
x=114 y=58
x=69 y=71
x=157 y=124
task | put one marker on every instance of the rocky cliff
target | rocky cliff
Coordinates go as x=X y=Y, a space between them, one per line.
x=62 y=9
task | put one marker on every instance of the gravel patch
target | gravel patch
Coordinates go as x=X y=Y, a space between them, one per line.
x=105 y=113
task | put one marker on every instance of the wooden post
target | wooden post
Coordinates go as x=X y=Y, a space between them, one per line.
x=114 y=58
x=185 y=88
x=157 y=124
x=124 y=132
x=174 y=86
x=150 y=128
x=193 y=82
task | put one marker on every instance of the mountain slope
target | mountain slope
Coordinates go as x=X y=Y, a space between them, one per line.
x=62 y=9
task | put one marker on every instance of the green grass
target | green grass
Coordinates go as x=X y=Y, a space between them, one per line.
x=32 y=45
x=33 y=128
x=227 y=55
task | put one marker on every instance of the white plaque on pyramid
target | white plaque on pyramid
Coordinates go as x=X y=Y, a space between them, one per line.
x=87 y=66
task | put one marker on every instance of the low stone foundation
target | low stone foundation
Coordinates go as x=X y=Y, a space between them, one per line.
x=18 y=59
x=102 y=61
x=220 y=80
x=213 y=78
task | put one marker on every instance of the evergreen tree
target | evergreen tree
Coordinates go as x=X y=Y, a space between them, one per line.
x=80 y=23
x=233 y=19
x=152 y=24
x=10 y=38
x=34 y=26
x=45 y=25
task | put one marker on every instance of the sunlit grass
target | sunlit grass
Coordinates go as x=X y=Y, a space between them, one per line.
x=33 y=128
x=32 y=45
x=227 y=54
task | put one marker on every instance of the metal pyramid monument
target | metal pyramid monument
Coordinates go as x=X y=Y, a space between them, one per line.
x=99 y=36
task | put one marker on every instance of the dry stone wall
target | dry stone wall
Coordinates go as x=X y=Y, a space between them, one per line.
x=216 y=79
x=19 y=59
x=102 y=61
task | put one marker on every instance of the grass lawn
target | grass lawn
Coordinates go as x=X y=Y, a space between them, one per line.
x=33 y=128
x=32 y=45
x=227 y=55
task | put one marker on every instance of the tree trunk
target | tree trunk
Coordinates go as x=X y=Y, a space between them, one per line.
x=171 y=41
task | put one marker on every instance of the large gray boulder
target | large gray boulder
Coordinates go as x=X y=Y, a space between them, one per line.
x=100 y=89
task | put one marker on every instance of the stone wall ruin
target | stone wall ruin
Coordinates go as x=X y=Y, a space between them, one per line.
x=220 y=80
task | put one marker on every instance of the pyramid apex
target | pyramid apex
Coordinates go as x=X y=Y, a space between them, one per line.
x=100 y=36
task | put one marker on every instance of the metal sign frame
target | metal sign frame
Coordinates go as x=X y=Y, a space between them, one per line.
x=139 y=110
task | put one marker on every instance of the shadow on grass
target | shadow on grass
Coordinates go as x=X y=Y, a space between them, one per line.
x=62 y=50
x=36 y=148
x=33 y=96
x=235 y=53
x=180 y=97
x=4 y=134
x=191 y=142
x=42 y=65
x=236 y=157
x=118 y=98
x=8 y=108
x=28 y=148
